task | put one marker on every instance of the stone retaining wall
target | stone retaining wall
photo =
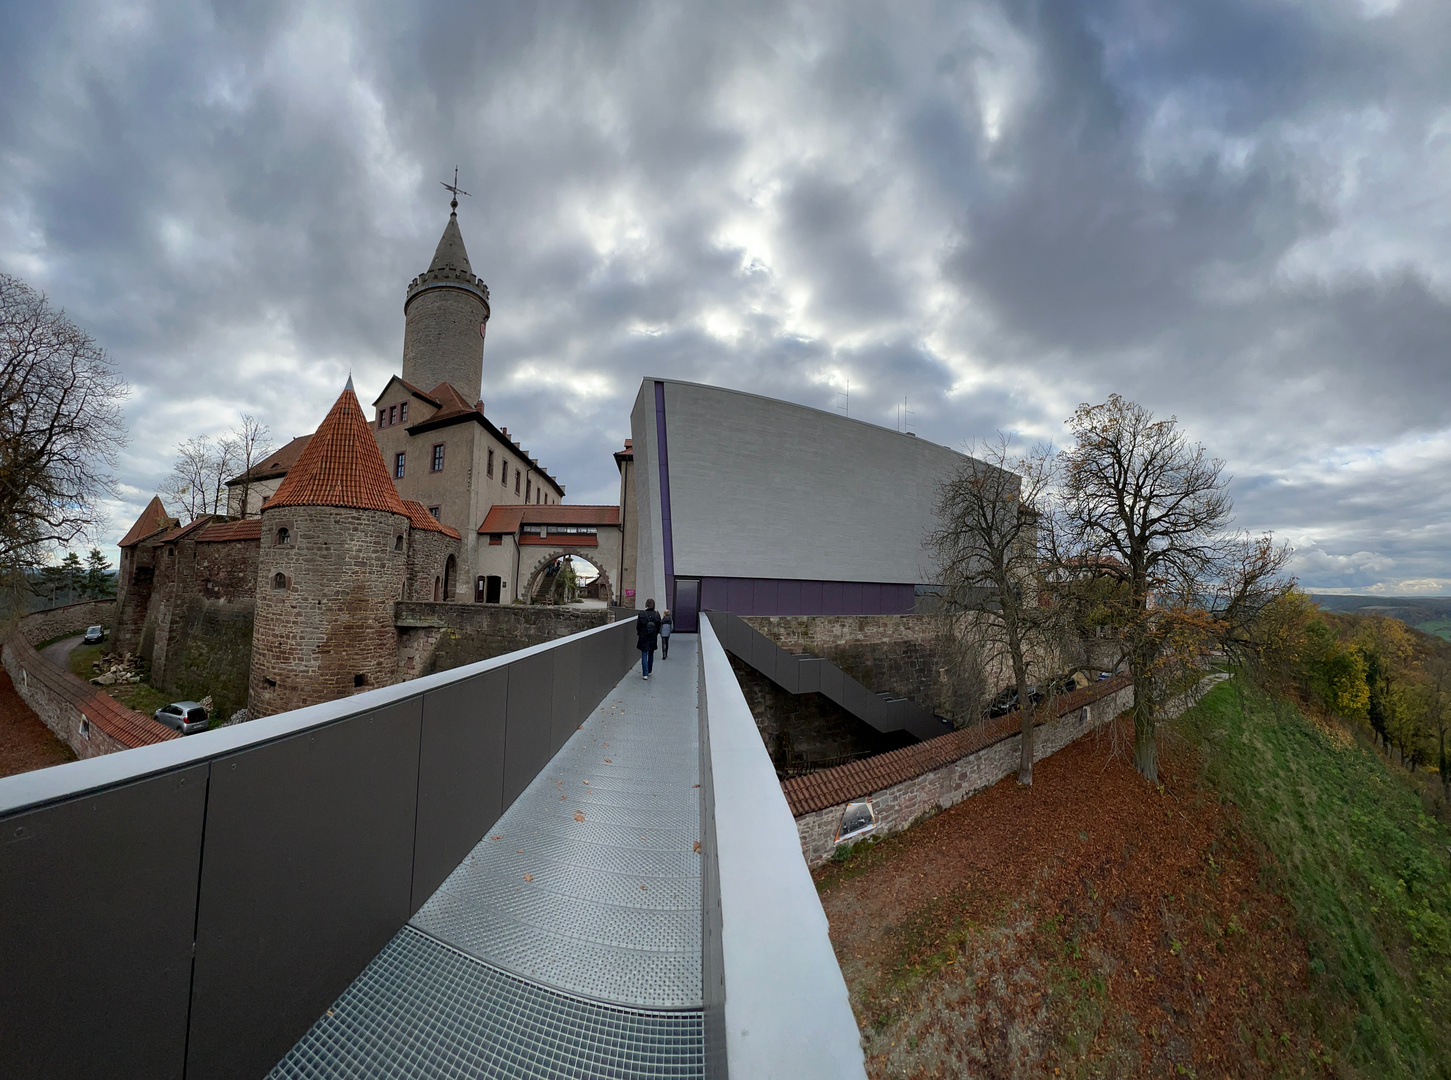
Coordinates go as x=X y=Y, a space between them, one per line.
x=898 y=806
x=90 y=722
x=439 y=636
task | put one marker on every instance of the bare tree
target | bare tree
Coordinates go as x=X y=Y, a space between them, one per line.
x=986 y=542
x=60 y=426
x=1150 y=511
x=198 y=479
x=250 y=443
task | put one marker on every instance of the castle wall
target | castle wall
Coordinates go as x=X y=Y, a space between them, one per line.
x=428 y=553
x=134 y=582
x=437 y=637
x=329 y=632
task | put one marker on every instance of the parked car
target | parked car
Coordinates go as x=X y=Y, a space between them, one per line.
x=185 y=716
x=94 y=635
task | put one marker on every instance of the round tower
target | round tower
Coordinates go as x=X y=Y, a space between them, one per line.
x=333 y=561
x=446 y=311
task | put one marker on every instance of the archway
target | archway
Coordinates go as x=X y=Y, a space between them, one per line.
x=532 y=581
x=450 y=574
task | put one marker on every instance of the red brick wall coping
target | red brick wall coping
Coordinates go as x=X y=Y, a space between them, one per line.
x=856 y=779
x=127 y=726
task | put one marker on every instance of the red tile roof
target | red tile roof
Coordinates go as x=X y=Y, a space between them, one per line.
x=177 y=532
x=153 y=519
x=450 y=402
x=274 y=464
x=420 y=518
x=126 y=726
x=340 y=466
x=508 y=518
x=221 y=531
x=858 y=779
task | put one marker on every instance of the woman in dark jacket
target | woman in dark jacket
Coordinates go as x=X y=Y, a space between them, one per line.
x=647 y=629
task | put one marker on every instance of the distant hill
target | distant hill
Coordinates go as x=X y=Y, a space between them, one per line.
x=1429 y=613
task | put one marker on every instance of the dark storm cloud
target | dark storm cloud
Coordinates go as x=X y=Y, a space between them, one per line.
x=987 y=211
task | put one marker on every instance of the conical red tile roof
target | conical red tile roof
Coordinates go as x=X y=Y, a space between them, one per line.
x=153 y=519
x=340 y=466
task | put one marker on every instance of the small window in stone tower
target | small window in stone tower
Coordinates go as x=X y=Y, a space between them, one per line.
x=398 y=466
x=279 y=580
x=397 y=543
x=360 y=680
x=438 y=457
x=491 y=462
x=283 y=538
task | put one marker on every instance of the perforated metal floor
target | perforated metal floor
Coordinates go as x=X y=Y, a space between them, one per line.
x=590 y=882
x=423 y=1009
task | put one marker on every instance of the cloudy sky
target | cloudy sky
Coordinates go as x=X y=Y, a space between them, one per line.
x=1237 y=213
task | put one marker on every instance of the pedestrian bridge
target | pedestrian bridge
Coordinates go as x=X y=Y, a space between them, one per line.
x=540 y=865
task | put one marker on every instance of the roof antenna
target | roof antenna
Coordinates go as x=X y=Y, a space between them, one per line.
x=457 y=191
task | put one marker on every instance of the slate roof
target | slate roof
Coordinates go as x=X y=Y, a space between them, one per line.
x=450 y=253
x=508 y=519
x=153 y=519
x=340 y=466
x=858 y=779
x=420 y=518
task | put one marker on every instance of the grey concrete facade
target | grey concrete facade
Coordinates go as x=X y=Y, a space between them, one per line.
x=767 y=489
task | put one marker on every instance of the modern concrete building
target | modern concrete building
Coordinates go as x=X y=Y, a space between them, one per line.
x=763 y=507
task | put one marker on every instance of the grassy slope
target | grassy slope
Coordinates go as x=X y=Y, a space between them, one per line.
x=139 y=696
x=1364 y=868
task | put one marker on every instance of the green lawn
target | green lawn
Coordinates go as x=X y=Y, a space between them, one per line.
x=139 y=696
x=1365 y=869
x=1440 y=627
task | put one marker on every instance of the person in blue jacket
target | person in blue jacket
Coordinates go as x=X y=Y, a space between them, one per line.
x=647 y=629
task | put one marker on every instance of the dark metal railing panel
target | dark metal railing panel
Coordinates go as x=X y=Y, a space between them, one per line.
x=530 y=716
x=460 y=775
x=567 y=715
x=307 y=872
x=334 y=819
x=98 y=902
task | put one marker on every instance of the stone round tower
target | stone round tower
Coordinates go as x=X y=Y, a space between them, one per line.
x=333 y=561
x=447 y=311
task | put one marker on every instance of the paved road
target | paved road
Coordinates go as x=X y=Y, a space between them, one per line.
x=59 y=652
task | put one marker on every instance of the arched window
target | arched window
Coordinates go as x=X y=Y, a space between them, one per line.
x=279 y=580
x=437 y=585
x=398 y=543
x=450 y=573
x=283 y=537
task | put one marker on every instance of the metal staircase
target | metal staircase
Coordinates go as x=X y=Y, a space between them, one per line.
x=802 y=673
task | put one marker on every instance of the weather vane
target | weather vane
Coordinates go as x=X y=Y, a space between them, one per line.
x=457 y=191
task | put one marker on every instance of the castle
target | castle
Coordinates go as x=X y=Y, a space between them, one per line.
x=426 y=501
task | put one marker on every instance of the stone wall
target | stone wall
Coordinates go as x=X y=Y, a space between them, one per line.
x=428 y=553
x=87 y=720
x=328 y=631
x=806 y=731
x=901 y=655
x=436 y=637
x=899 y=805
x=47 y=625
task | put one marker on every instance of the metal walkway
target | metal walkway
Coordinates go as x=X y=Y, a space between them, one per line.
x=568 y=943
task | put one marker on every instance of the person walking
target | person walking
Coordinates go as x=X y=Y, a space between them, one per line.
x=647 y=629
x=667 y=624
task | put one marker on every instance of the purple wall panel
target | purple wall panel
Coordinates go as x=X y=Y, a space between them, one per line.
x=778 y=596
x=832 y=600
x=715 y=594
x=788 y=598
x=766 y=595
x=810 y=597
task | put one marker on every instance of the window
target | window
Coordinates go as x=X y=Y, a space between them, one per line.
x=491 y=462
x=382 y=416
x=437 y=512
x=403 y=413
x=496 y=538
x=360 y=680
x=397 y=543
x=437 y=457
x=516 y=481
x=283 y=537
x=398 y=466
x=392 y=415
x=504 y=474
x=279 y=580
x=528 y=483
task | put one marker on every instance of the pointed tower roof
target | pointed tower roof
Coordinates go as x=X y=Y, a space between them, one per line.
x=340 y=466
x=450 y=253
x=153 y=519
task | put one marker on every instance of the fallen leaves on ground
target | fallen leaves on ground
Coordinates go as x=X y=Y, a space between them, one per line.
x=1092 y=923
